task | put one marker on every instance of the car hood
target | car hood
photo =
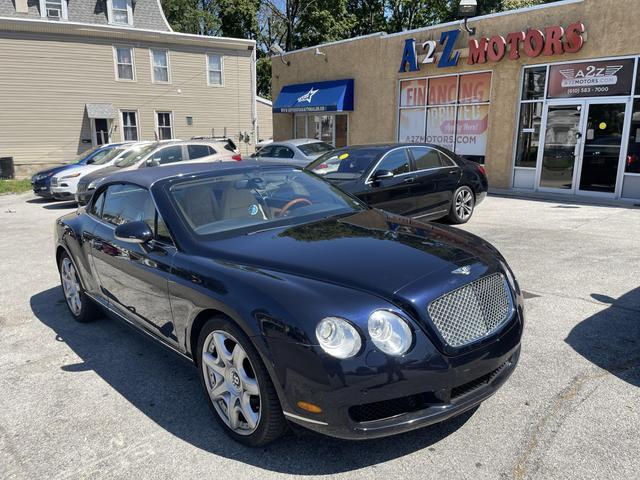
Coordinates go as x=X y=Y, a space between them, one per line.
x=100 y=173
x=371 y=250
x=53 y=170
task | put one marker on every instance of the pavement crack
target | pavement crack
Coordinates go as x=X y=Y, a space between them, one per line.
x=541 y=435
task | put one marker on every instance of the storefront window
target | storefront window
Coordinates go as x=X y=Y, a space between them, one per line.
x=632 y=162
x=332 y=129
x=535 y=80
x=529 y=134
x=450 y=111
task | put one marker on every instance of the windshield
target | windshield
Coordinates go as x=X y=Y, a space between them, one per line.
x=134 y=155
x=110 y=155
x=316 y=148
x=84 y=156
x=344 y=164
x=256 y=200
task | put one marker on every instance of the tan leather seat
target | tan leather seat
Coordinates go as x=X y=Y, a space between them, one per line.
x=202 y=207
x=236 y=203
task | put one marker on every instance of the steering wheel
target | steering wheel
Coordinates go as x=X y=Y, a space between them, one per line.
x=293 y=202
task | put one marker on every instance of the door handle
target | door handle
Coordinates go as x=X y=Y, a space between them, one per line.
x=96 y=244
x=409 y=180
x=453 y=172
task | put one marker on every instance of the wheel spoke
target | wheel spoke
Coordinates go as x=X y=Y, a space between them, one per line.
x=238 y=357
x=219 y=390
x=247 y=412
x=211 y=362
x=234 y=413
x=250 y=385
x=223 y=354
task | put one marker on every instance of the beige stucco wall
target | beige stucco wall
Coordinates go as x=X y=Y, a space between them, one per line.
x=46 y=80
x=373 y=63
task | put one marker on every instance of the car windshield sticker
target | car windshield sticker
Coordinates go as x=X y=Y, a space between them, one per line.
x=343 y=156
x=253 y=209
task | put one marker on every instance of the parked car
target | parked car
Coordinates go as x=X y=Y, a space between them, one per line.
x=64 y=185
x=157 y=154
x=299 y=152
x=41 y=181
x=417 y=180
x=296 y=301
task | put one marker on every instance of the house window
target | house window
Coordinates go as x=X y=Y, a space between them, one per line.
x=160 y=66
x=165 y=125
x=120 y=12
x=125 y=67
x=130 y=125
x=54 y=9
x=214 y=69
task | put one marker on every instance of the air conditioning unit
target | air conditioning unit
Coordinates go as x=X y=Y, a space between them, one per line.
x=54 y=13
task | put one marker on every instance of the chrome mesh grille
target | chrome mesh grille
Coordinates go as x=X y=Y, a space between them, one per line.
x=54 y=182
x=472 y=311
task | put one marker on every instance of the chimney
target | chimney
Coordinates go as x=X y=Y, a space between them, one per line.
x=22 y=6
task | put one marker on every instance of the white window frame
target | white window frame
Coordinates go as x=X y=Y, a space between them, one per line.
x=64 y=14
x=133 y=63
x=122 y=125
x=153 y=78
x=157 y=124
x=221 y=84
x=112 y=18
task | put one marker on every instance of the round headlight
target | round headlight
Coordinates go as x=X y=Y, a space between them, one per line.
x=338 y=337
x=389 y=332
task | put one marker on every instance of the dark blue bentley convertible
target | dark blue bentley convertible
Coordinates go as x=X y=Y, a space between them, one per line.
x=296 y=302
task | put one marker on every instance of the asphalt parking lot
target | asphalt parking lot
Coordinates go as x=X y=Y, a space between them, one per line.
x=99 y=401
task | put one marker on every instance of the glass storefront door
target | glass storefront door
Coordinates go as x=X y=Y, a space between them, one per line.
x=561 y=146
x=582 y=146
x=602 y=144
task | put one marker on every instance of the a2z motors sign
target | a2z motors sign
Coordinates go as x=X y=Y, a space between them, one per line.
x=591 y=79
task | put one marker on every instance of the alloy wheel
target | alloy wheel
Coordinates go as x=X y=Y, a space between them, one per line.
x=231 y=382
x=71 y=286
x=464 y=204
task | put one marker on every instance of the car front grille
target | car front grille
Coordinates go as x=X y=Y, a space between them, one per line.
x=82 y=187
x=472 y=311
x=54 y=182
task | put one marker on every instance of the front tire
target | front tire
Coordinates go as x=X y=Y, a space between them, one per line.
x=80 y=305
x=462 y=206
x=237 y=384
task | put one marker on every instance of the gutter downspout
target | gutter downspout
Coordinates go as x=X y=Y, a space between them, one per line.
x=254 y=108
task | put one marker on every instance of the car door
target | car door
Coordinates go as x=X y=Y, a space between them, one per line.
x=134 y=277
x=392 y=194
x=166 y=155
x=436 y=177
x=195 y=151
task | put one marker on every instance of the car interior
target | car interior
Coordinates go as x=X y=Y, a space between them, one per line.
x=235 y=201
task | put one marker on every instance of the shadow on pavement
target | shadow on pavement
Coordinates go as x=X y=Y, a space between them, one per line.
x=611 y=338
x=167 y=390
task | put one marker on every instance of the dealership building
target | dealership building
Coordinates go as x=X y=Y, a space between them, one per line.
x=546 y=97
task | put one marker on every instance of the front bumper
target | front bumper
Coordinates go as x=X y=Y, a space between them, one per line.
x=388 y=396
x=41 y=190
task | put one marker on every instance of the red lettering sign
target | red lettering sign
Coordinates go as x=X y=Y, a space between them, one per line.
x=533 y=43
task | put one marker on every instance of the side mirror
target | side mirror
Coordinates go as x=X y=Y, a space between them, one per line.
x=134 y=232
x=153 y=162
x=381 y=175
x=90 y=161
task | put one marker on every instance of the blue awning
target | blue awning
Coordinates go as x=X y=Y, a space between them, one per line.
x=332 y=96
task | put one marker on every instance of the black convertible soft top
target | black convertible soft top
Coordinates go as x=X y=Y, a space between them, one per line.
x=145 y=177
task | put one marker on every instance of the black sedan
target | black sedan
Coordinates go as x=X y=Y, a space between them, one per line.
x=296 y=301
x=416 y=180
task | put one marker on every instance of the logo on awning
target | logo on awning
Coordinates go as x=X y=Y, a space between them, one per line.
x=308 y=96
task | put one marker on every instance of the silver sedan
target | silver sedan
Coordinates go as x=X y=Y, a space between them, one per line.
x=299 y=152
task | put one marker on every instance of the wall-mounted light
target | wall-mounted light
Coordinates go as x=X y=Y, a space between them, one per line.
x=277 y=50
x=466 y=10
x=189 y=119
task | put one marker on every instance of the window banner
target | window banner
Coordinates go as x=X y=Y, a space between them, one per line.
x=413 y=93
x=591 y=79
x=441 y=126
x=411 y=125
x=471 y=129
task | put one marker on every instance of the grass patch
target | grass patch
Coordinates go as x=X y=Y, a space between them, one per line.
x=15 y=186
